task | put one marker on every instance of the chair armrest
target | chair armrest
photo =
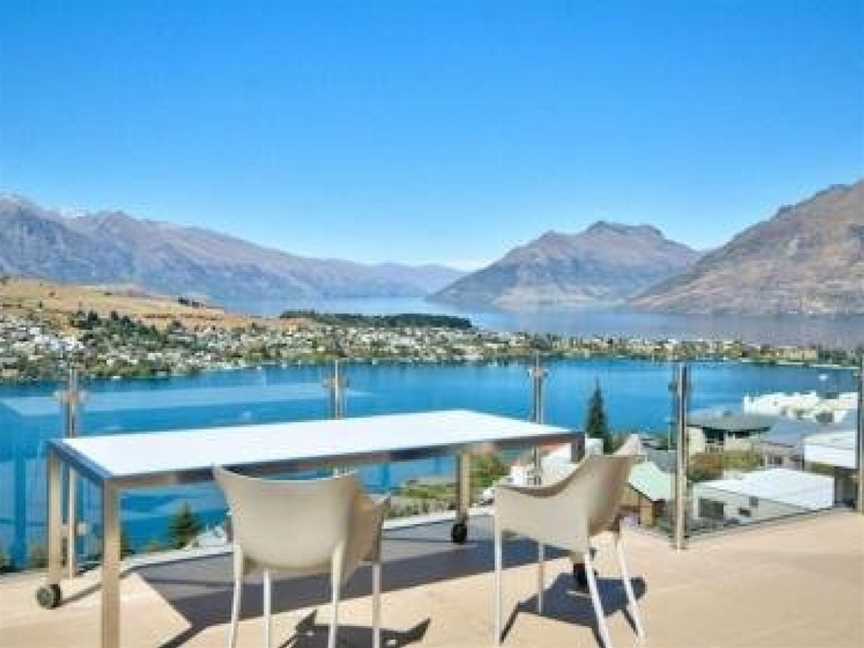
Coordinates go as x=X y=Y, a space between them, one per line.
x=364 y=537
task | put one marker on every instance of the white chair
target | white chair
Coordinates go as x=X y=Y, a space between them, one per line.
x=567 y=513
x=302 y=528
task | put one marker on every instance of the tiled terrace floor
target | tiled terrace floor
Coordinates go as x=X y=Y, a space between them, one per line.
x=799 y=584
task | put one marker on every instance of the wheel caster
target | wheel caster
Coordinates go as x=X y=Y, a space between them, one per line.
x=49 y=596
x=459 y=533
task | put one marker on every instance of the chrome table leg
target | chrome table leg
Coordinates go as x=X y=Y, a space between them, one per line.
x=110 y=566
x=459 y=532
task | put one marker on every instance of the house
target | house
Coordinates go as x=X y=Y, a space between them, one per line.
x=648 y=490
x=836 y=450
x=727 y=431
x=761 y=495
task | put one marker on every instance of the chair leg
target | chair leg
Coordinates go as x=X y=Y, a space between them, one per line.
x=628 y=587
x=541 y=577
x=595 y=600
x=268 y=617
x=334 y=619
x=498 y=568
x=376 y=605
x=235 y=610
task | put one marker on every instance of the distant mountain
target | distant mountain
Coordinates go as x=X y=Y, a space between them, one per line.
x=808 y=259
x=607 y=263
x=115 y=248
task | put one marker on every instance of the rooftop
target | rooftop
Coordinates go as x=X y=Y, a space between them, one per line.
x=799 y=584
x=732 y=422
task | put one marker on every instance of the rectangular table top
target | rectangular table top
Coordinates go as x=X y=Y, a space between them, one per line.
x=124 y=456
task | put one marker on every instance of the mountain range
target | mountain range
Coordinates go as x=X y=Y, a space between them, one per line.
x=113 y=248
x=605 y=264
x=807 y=259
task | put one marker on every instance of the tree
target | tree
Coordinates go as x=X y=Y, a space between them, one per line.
x=5 y=561
x=596 y=423
x=184 y=526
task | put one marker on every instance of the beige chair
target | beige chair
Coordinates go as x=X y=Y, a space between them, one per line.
x=302 y=528
x=567 y=513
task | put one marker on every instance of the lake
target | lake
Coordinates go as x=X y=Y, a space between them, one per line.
x=636 y=394
x=834 y=332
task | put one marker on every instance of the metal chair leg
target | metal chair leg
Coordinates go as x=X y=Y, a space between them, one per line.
x=628 y=587
x=334 y=620
x=268 y=617
x=541 y=576
x=376 y=605
x=235 y=611
x=595 y=599
x=498 y=567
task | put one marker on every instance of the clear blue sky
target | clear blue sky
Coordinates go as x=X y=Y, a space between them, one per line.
x=431 y=131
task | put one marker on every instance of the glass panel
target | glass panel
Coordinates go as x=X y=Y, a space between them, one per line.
x=25 y=424
x=783 y=447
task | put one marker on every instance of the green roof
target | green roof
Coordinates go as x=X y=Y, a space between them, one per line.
x=651 y=482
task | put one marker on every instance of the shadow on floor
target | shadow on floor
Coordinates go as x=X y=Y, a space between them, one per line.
x=200 y=589
x=309 y=634
x=563 y=603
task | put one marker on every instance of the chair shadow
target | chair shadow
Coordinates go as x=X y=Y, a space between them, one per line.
x=200 y=589
x=309 y=634
x=561 y=601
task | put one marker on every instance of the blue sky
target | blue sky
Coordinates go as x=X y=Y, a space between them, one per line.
x=431 y=131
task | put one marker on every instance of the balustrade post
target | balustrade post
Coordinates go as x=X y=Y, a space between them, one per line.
x=538 y=378
x=859 y=441
x=71 y=399
x=682 y=399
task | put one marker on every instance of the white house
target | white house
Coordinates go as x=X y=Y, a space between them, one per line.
x=761 y=495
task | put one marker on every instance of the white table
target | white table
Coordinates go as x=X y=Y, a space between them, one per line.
x=124 y=462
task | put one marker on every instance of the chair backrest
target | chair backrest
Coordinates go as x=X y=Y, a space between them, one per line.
x=289 y=524
x=606 y=478
x=595 y=486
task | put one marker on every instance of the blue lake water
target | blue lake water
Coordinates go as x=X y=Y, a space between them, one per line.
x=636 y=392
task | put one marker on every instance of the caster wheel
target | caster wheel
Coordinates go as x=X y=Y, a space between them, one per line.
x=459 y=533
x=49 y=596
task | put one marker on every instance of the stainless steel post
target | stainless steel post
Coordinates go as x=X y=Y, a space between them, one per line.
x=337 y=385
x=538 y=377
x=859 y=444
x=682 y=397
x=71 y=398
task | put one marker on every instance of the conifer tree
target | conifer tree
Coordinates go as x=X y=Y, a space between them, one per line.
x=596 y=423
x=184 y=526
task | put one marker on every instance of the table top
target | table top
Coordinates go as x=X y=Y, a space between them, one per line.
x=138 y=455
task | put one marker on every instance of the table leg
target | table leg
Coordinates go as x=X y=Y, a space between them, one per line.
x=459 y=533
x=110 y=566
x=72 y=525
x=537 y=460
x=49 y=595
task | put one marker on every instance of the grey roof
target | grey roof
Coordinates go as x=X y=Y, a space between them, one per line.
x=732 y=422
x=791 y=432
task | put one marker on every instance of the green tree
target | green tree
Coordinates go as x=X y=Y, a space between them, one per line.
x=596 y=423
x=5 y=561
x=38 y=557
x=126 y=549
x=184 y=527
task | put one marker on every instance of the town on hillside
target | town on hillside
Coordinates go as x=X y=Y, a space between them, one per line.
x=113 y=336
